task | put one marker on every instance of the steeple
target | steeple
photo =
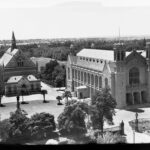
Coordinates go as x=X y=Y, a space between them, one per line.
x=13 y=42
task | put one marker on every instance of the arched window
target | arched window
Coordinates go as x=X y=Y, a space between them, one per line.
x=81 y=76
x=96 y=81
x=89 y=79
x=92 y=79
x=134 y=76
x=100 y=82
x=106 y=82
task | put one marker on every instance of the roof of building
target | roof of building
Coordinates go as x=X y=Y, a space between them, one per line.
x=142 y=52
x=8 y=55
x=97 y=53
x=15 y=79
x=81 y=87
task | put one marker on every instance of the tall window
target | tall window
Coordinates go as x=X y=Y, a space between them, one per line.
x=84 y=77
x=134 y=76
x=81 y=76
x=96 y=81
x=100 y=82
x=78 y=75
x=68 y=73
x=106 y=82
x=92 y=78
x=89 y=79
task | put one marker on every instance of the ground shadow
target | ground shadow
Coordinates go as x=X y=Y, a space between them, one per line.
x=138 y=110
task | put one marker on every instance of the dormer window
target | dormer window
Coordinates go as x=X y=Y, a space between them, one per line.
x=20 y=63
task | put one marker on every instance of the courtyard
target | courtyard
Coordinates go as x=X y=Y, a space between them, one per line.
x=36 y=105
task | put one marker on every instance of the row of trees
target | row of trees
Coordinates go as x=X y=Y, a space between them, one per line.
x=19 y=128
x=60 y=49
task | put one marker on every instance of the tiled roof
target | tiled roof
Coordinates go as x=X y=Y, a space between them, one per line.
x=15 y=79
x=8 y=55
x=97 y=53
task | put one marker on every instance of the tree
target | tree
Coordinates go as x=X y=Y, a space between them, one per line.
x=42 y=125
x=43 y=92
x=102 y=108
x=72 y=120
x=19 y=130
x=59 y=76
x=59 y=99
x=66 y=95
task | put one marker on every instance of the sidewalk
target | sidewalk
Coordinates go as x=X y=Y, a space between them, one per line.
x=127 y=116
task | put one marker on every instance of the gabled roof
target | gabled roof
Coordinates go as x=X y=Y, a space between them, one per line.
x=16 y=79
x=97 y=53
x=8 y=55
x=136 y=54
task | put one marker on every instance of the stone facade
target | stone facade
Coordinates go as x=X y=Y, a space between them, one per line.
x=127 y=74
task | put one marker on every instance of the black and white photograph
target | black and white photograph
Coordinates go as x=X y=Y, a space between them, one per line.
x=74 y=72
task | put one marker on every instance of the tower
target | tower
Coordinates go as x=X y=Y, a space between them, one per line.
x=120 y=75
x=148 y=69
x=13 y=41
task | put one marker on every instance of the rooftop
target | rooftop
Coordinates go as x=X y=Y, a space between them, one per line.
x=97 y=53
x=15 y=79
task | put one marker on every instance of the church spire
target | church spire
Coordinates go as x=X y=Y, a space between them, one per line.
x=13 y=41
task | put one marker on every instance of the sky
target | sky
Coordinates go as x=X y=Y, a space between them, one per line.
x=32 y=19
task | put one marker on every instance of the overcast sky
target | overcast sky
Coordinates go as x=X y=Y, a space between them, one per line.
x=73 y=18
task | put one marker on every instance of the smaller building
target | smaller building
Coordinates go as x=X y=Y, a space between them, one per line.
x=22 y=85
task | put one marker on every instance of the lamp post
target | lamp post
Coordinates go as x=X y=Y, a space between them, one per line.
x=136 y=122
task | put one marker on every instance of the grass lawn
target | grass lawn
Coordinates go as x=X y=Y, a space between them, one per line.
x=32 y=108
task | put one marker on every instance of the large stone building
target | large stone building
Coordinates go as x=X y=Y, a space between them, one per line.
x=17 y=72
x=127 y=74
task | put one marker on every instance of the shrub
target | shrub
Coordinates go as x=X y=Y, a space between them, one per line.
x=42 y=125
x=4 y=130
x=109 y=138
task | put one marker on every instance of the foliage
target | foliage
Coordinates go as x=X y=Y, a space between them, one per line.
x=59 y=98
x=54 y=74
x=4 y=129
x=41 y=124
x=72 y=120
x=109 y=138
x=102 y=109
x=19 y=126
x=66 y=95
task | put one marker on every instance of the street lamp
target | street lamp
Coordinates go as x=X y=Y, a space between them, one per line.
x=136 y=122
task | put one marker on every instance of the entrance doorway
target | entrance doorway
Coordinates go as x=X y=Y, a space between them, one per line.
x=136 y=96
x=81 y=95
x=129 y=99
x=143 y=97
